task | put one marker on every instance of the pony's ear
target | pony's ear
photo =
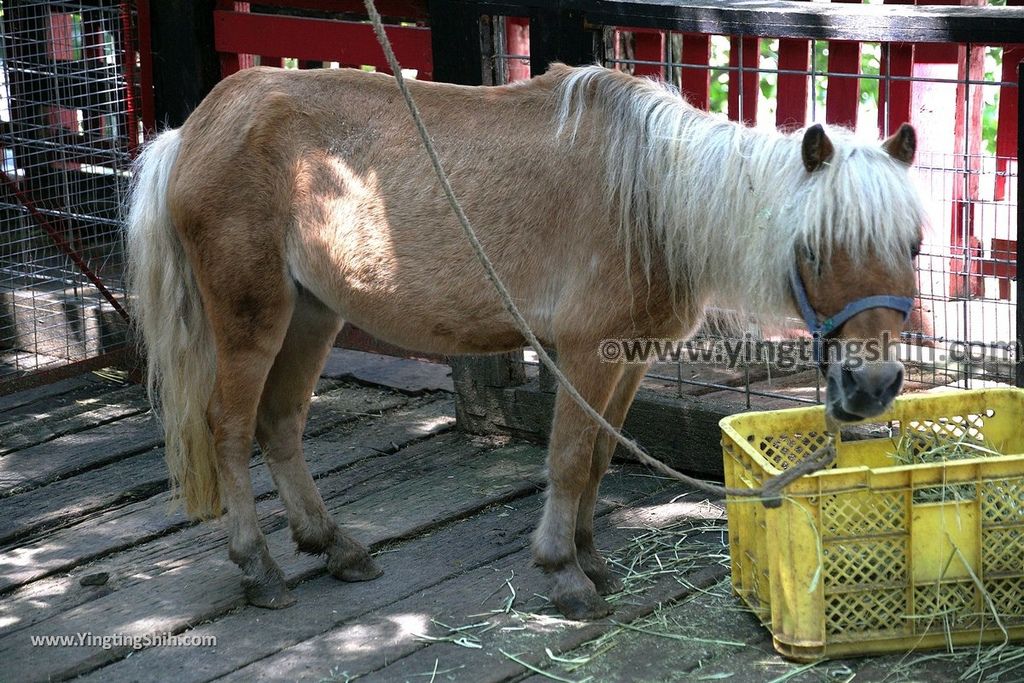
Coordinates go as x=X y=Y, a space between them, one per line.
x=902 y=144
x=817 y=149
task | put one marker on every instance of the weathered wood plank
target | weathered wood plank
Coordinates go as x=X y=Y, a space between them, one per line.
x=403 y=374
x=45 y=462
x=712 y=637
x=335 y=403
x=712 y=631
x=384 y=645
x=138 y=522
x=68 y=501
x=528 y=635
x=188 y=578
x=67 y=417
x=86 y=384
x=361 y=469
x=409 y=567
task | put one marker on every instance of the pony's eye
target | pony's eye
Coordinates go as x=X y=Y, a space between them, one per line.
x=811 y=258
x=915 y=250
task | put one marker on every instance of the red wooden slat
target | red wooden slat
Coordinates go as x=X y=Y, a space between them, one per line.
x=61 y=37
x=748 y=47
x=517 y=41
x=843 y=93
x=1006 y=134
x=403 y=9
x=649 y=46
x=791 y=112
x=694 y=82
x=320 y=39
x=229 y=61
x=894 y=96
x=936 y=53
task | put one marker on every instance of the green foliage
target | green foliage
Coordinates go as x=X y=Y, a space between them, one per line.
x=990 y=98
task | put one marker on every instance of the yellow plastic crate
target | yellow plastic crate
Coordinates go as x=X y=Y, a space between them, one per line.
x=851 y=563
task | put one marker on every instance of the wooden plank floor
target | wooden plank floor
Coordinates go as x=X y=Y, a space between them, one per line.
x=90 y=549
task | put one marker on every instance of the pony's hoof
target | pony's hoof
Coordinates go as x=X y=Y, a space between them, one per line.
x=581 y=605
x=360 y=568
x=269 y=595
x=597 y=571
x=606 y=582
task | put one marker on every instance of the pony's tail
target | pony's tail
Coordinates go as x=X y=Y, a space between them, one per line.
x=172 y=331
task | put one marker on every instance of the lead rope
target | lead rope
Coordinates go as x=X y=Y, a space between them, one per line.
x=768 y=492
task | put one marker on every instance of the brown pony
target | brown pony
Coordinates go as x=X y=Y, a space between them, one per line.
x=293 y=200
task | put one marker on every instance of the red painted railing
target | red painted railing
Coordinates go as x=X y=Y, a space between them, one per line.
x=240 y=35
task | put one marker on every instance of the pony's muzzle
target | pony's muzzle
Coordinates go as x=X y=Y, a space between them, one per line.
x=858 y=391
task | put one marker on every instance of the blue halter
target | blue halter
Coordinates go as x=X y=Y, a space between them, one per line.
x=822 y=329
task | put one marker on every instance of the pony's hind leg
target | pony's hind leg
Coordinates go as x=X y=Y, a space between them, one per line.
x=248 y=333
x=590 y=559
x=281 y=420
x=570 y=453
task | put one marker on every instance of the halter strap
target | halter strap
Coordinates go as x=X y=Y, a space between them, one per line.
x=822 y=329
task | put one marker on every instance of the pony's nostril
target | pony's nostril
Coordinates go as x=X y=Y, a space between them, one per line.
x=849 y=379
x=894 y=386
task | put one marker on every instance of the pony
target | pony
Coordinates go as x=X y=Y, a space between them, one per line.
x=291 y=201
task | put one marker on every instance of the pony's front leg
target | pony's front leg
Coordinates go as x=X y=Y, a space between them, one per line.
x=589 y=558
x=569 y=466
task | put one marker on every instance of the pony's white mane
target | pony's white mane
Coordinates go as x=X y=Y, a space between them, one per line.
x=728 y=206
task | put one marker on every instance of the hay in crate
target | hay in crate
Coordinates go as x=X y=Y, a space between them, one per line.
x=927 y=448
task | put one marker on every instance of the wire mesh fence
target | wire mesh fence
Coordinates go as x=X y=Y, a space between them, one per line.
x=68 y=131
x=961 y=99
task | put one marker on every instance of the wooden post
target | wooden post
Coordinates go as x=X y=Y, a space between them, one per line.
x=185 y=64
x=480 y=383
x=545 y=379
x=455 y=36
x=1006 y=136
x=559 y=35
x=966 y=280
x=455 y=32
